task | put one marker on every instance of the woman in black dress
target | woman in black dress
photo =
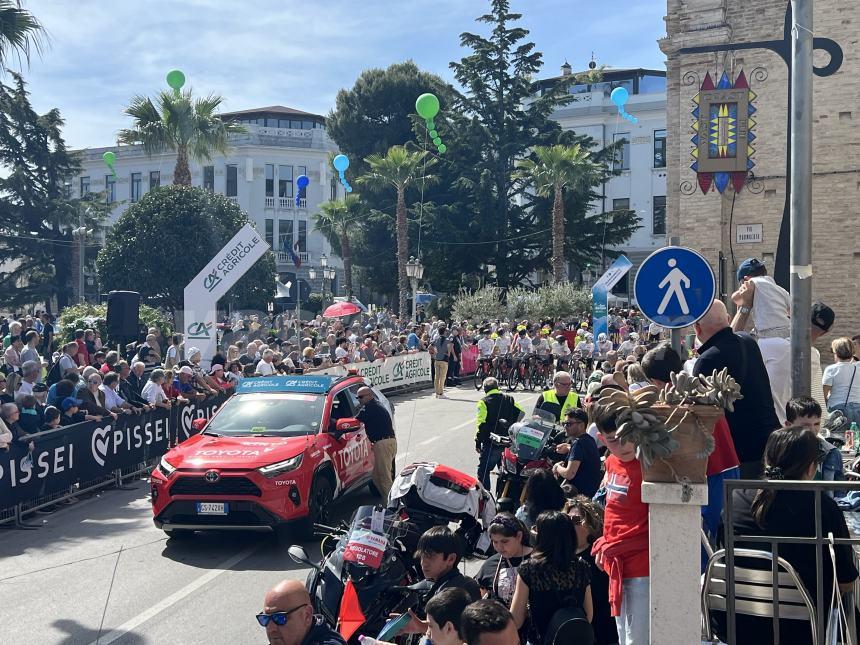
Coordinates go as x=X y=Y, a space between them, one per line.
x=553 y=578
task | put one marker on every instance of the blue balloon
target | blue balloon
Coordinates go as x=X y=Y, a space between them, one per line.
x=341 y=163
x=302 y=181
x=349 y=189
x=619 y=96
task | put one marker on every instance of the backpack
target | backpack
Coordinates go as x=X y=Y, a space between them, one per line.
x=53 y=375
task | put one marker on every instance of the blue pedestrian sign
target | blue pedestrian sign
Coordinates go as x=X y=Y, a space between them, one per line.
x=675 y=287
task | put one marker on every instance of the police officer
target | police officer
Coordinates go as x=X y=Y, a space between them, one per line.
x=491 y=408
x=560 y=398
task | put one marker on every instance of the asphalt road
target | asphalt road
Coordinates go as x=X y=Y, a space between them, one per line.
x=98 y=571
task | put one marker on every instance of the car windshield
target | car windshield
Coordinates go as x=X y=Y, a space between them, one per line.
x=271 y=413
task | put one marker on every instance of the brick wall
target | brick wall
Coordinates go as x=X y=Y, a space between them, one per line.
x=708 y=222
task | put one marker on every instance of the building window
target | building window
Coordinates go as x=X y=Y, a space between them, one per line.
x=285 y=181
x=110 y=188
x=659 y=148
x=652 y=84
x=270 y=232
x=135 y=186
x=85 y=186
x=270 y=180
x=303 y=235
x=154 y=179
x=285 y=234
x=333 y=189
x=622 y=204
x=659 y=216
x=209 y=177
x=232 y=180
x=67 y=188
x=622 y=153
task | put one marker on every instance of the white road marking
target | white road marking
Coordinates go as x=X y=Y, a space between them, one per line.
x=173 y=598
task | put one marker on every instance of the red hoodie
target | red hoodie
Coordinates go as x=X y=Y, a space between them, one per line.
x=624 y=545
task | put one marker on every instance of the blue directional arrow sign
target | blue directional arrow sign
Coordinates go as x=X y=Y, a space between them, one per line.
x=675 y=287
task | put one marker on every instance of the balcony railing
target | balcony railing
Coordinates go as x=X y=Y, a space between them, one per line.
x=285 y=203
x=284 y=258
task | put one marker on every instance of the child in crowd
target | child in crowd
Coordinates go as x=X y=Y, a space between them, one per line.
x=806 y=411
x=52 y=419
x=622 y=551
x=440 y=550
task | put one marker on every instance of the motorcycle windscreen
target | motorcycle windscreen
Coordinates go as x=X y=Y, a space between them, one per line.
x=351 y=617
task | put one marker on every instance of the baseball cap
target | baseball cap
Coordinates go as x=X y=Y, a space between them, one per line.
x=186 y=370
x=70 y=402
x=748 y=266
x=822 y=316
x=217 y=367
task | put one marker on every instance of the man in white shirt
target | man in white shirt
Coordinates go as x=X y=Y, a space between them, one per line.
x=768 y=306
x=503 y=342
x=628 y=345
x=30 y=371
x=341 y=353
x=153 y=392
x=265 y=366
x=604 y=345
x=486 y=346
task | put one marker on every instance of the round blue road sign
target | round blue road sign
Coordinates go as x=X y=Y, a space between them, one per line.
x=675 y=287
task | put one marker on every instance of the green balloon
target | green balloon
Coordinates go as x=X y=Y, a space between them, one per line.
x=442 y=148
x=109 y=158
x=175 y=79
x=437 y=141
x=430 y=124
x=427 y=105
x=433 y=134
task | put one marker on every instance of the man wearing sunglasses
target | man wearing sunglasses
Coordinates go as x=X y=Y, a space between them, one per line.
x=289 y=618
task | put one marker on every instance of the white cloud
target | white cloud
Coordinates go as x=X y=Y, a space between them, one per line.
x=264 y=52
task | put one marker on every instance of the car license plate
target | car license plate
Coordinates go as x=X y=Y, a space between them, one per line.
x=211 y=508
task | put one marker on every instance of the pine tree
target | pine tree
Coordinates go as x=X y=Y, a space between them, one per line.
x=37 y=212
x=506 y=121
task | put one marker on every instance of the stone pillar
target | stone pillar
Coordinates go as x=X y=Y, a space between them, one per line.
x=674 y=538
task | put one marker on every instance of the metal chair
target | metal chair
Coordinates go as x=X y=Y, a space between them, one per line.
x=754 y=590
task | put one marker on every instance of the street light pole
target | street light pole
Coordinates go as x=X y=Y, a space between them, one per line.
x=800 y=212
x=414 y=271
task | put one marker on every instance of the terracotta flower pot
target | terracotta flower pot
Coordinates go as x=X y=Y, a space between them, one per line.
x=693 y=428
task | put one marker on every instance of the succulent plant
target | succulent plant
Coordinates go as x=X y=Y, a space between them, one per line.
x=638 y=425
x=718 y=389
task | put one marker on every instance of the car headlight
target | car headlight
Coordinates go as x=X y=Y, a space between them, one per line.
x=280 y=467
x=165 y=467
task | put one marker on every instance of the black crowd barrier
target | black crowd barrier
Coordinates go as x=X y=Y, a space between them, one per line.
x=87 y=451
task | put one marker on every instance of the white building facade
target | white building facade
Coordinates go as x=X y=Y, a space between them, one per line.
x=641 y=184
x=259 y=173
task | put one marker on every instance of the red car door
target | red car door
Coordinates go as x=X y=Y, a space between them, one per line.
x=351 y=451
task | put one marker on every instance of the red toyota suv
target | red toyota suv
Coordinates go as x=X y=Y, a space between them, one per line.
x=279 y=450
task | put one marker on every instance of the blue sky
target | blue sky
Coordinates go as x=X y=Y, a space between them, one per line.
x=269 y=52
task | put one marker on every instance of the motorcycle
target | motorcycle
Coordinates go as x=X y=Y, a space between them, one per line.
x=368 y=566
x=529 y=447
x=365 y=572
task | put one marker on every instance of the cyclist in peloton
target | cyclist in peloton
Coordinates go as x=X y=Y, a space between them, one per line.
x=503 y=346
x=561 y=351
x=628 y=346
x=604 y=345
x=486 y=345
x=586 y=350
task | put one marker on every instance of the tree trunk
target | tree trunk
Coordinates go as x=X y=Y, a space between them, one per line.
x=346 y=256
x=182 y=173
x=558 y=272
x=402 y=255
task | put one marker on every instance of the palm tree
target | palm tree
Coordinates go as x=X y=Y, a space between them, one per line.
x=337 y=220
x=179 y=123
x=19 y=31
x=554 y=169
x=399 y=169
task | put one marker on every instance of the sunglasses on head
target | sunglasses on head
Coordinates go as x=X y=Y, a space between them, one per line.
x=280 y=618
x=576 y=519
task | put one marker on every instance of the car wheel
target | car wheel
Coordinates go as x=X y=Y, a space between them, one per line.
x=319 y=500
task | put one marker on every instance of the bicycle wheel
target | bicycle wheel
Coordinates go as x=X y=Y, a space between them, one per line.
x=479 y=376
x=512 y=379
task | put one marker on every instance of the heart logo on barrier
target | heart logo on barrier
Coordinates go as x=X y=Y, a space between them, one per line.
x=187 y=416
x=99 y=443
